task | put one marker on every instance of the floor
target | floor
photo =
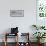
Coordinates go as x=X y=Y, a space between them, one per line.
x=13 y=44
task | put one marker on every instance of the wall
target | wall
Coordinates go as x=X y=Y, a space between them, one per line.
x=24 y=23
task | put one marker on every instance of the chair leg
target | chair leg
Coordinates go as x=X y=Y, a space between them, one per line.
x=5 y=43
x=5 y=40
x=17 y=39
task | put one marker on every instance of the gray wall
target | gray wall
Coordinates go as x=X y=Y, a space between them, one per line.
x=24 y=23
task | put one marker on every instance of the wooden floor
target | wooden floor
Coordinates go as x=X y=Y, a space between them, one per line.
x=13 y=44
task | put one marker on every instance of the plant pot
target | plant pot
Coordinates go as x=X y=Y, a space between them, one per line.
x=40 y=41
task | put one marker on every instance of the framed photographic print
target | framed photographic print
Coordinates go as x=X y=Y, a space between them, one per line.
x=17 y=13
x=41 y=12
x=41 y=8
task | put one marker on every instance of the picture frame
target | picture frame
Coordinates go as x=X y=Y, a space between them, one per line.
x=40 y=12
x=17 y=13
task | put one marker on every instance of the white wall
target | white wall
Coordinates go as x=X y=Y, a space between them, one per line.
x=24 y=23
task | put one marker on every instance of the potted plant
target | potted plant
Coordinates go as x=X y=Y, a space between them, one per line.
x=38 y=27
x=39 y=35
x=35 y=26
x=42 y=27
